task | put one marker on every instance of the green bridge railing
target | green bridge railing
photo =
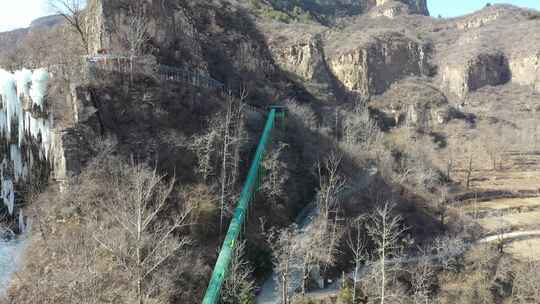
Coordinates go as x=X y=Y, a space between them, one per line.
x=251 y=185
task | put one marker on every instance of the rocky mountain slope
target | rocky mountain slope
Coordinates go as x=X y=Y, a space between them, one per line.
x=367 y=54
x=326 y=12
x=395 y=91
x=11 y=40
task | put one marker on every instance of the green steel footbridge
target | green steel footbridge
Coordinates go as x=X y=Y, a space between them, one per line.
x=251 y=185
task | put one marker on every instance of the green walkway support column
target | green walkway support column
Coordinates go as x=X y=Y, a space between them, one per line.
x=221 y=268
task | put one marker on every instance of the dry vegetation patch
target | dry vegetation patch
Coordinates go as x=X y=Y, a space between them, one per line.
x=513 y=221
x=525 y=250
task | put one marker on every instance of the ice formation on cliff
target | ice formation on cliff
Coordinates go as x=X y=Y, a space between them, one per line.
x=22 y=126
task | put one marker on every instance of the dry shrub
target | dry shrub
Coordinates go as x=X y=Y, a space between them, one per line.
x=526 y=285
x=118 y=234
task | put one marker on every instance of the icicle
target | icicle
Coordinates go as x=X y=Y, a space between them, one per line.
x=8 y=194
x=22 y=225
x=36 y=130
x=24 y=81
x=3 y=124
x=10 y=100
x=16 y=158
x=38 y=91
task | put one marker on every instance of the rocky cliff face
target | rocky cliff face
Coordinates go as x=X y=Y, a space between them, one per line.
x=25 y=134
x=412 y=102
x=365 y=69
x=364 y=57
x=10 y=41
x=203 y=37
x=304 y=58
x=390 y=10
x=525 y=70
x=172 y=31
x=414 y=6
x=481 y=70
x=370 y=69
x=461 y=55
x=327 y=11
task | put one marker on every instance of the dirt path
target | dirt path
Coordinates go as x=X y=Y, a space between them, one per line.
x=510 y=236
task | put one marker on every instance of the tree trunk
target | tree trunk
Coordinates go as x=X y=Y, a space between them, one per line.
x=449 y=166
x=131 y=69
x=284 y=291
x=224 y=167
x=469 y=172
x=304 y=277
x=383 y=260
x=442 y=217
x=355 y=280
x=138 y=252
x=383 y=279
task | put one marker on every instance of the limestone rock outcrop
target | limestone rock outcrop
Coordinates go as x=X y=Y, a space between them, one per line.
x=304 y=58
x=488 y=16
x=390 y=10
x=484 y=69
x=414 y=102
x=172 y=32
x=370 y=68
x=526 y=70
x=414 y=6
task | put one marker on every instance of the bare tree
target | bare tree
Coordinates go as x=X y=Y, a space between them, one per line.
x=385 y=231
x=134 y=34
x=317 y=247
x=360 y=129
x=311 y=248
x=336 y=234
x=501 y=229
x=238 y=285
x=275 y=180
x=469 y=169
x=448 y=252
x=205 y=146
x=73 y=12
x=357 y=244
x=218 y=151
x=238 y=133
x=422 y=277
x=225 y=156
x=441 y=205
x=284 y=248
x=142 y=240
x=331 y=183
x=120 y=240
x=495 y=142
x=233 y=125
x=450 y=155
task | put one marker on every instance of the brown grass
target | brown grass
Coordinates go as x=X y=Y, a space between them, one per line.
x=513 y=221
x=525 y=250
x=502 y=204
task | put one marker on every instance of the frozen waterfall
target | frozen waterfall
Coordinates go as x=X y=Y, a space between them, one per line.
x=23 y=125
